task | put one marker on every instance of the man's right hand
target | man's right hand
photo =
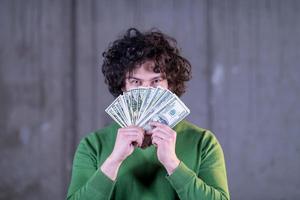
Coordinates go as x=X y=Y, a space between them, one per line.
x=127 y=139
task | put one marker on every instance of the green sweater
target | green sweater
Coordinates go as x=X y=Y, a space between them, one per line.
x=201 y=173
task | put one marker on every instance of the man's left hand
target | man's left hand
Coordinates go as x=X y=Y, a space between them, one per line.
x=164 y=138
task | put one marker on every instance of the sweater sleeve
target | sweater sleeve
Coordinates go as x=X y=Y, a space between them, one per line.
x=210 y=183
x=88 y=182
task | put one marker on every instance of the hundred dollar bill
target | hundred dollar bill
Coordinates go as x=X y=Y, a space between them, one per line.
x=136 y=98
x=170 y=114
x=117 y=107
x=121 y=105
x=163 y=98
x=127 y=100
x=142 y=93
x=158 y=97
x=141 y=105
x=115 y=117
x=115 y=110
x=134 y=104
x=150 y=93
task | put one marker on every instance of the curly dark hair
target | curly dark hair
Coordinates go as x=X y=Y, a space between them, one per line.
x=135 y=48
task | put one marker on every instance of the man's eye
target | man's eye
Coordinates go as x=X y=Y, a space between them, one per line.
x=135 y=82
x=156 y=81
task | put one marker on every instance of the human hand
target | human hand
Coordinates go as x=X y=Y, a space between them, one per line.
x=164 y=138
x=127 y=139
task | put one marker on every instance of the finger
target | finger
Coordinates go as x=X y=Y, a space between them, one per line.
x=131 y=139
x=139 y=132
x=161 y=135
x=156 y=141
x=158 y=124
x=133 y=132
x=131 y=126
x=127 y=133
x=129 y=129
x=162 y=126
x=140 y=140
x=136 y=138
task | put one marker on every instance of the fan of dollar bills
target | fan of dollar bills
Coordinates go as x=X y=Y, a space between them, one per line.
x=141 y=105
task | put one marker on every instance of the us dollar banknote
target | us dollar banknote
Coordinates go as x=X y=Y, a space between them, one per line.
x=142 y=105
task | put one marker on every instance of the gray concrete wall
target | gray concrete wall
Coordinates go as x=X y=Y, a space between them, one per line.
x=245 y=87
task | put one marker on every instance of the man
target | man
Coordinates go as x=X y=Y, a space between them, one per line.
x=185 y=162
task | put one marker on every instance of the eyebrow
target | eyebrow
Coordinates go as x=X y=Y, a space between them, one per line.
x=132 y=77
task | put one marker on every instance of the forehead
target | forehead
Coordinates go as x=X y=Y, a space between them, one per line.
x=144 y=70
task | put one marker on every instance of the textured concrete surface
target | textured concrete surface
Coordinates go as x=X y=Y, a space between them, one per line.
x=245 y=87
